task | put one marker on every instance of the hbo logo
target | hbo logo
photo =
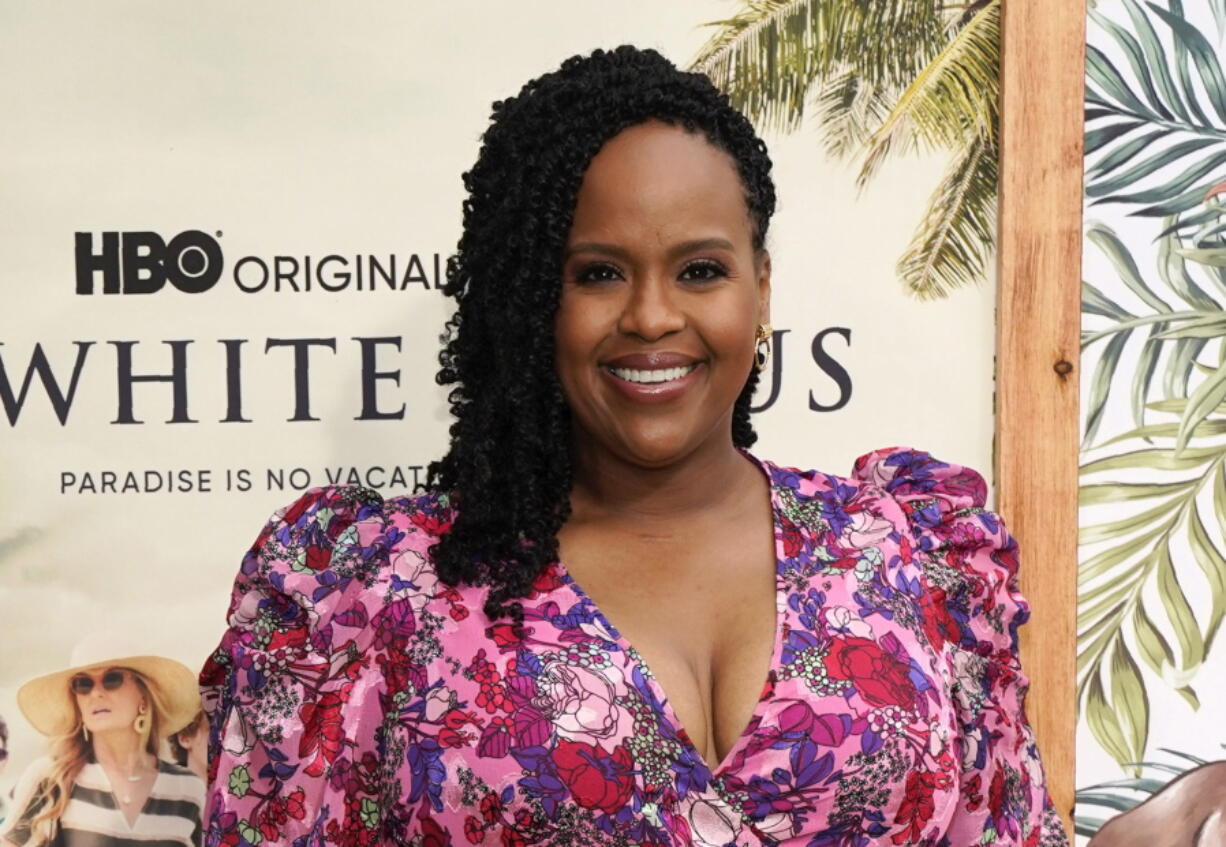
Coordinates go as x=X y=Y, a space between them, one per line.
x=141 y=262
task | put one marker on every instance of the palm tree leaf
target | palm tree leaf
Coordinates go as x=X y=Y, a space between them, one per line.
x=1185 y=73
x=1123 y=153
x=1190 y=199
x=767 y=56
x=848 y=110
x=1129 y=698
x=1098 y=138
x=1190 y=176
x=1153 y=646
x=1126 y=492
x=1213 y=565
x=1179 y=611
x=1156 y=60
x=1111 y=83
x=1105 y=239
x=1154 y=458
x=1143 y=374
x=1100 y=385
x=1161 y=159
x=1208 y=65
x=1140 y=63
x=952 y=101
x=1204 y=400
x=1105 y=724
x=951 y=245
x=1173 y=270
x=1180 y=366
x=1100 y=563
x=1180 y=223
x=1094 y=302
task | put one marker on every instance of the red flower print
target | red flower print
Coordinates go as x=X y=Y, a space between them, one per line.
x=596 y=778
x=917 y=806
x=793 y=541
x=318 y=558
x=511 y=838
x=433 y=835
x=473 y=830
x=880 y=678
x=939 y=624
x=430 y=523
x=322 y=732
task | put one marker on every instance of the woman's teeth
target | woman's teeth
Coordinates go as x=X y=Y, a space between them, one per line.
x=658 y=375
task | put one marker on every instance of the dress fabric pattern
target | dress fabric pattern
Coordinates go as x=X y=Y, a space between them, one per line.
x=357 y=700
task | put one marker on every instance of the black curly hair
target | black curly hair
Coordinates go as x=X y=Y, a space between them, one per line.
x=508 y=469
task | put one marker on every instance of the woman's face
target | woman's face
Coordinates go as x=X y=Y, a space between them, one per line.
x=662 y=292
x=106 y=709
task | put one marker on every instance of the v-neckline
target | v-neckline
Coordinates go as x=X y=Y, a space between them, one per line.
x=131 y=825
x=632 y=653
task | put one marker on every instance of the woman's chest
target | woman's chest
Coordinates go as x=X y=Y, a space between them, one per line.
x=566 y=729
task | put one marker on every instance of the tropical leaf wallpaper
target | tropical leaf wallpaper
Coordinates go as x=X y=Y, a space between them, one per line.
x=1152 y=575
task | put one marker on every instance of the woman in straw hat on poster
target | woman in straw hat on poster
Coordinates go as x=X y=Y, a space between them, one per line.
x=102 y=782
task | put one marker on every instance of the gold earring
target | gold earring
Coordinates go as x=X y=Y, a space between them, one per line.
x=141 y=724
x=85 y=733
x=762 y=352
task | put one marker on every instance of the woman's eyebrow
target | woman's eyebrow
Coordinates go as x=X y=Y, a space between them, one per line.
x=617 y=252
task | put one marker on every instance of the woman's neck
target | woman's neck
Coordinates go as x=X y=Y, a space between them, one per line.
x=709 y=479
x=120 y=750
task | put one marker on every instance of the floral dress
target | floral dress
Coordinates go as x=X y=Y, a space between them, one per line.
x=358 y=700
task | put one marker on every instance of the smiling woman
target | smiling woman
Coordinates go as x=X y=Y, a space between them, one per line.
x=605 y=621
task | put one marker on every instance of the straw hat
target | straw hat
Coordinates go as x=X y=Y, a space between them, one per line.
x=46 y=701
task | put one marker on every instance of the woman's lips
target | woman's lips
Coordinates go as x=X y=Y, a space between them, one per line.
x=653 y=392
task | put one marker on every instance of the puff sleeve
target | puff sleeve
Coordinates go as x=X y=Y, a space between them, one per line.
x=295 y=706
x=971 y=563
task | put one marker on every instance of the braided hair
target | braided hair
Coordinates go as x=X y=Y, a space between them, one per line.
x=508 y=470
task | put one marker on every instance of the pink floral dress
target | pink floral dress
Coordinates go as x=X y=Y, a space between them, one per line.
x=356 y=699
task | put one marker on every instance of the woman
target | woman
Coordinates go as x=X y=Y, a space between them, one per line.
x=103 y=783
x=798 y=658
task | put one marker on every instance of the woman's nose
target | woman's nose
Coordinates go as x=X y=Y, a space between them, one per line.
x=651 y=310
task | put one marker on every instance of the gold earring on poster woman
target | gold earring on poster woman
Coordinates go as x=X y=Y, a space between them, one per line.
x=85 y=733
x=141 y=724
x=762 y=352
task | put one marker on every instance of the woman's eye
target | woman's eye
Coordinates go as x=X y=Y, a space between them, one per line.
x=703 y=271
x=597 y=273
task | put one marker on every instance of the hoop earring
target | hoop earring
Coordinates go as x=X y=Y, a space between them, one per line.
x=762 y=352
x=141 y=724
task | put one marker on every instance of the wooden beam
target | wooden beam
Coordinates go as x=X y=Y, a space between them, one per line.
x=1037 y=351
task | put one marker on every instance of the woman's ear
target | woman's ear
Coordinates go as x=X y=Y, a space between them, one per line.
x=762 y=267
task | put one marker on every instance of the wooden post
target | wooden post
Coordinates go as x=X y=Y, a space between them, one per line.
x=1037 y=351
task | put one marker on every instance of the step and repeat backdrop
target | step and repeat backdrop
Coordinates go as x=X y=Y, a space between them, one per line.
x=224 y=233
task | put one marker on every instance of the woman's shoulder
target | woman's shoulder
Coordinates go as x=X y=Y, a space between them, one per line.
x=333 y=544
x=910 y=476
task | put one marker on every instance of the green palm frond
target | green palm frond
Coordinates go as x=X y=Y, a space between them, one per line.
x=848 y=111
x=1120 y=627
x=769 y=55
x=951 y=102
x=954 y=240
x=1135 y=617
x=1122 y=795
x=1175 y=335
x=882 y=78
x=1156 y=116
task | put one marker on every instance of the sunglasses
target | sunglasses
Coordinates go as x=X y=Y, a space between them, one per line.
x=111 y=680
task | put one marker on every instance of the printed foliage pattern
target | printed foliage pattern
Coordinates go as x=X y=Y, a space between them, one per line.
x=1152 y=576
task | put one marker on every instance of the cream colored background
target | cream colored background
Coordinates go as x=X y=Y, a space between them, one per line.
x=314 y=128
